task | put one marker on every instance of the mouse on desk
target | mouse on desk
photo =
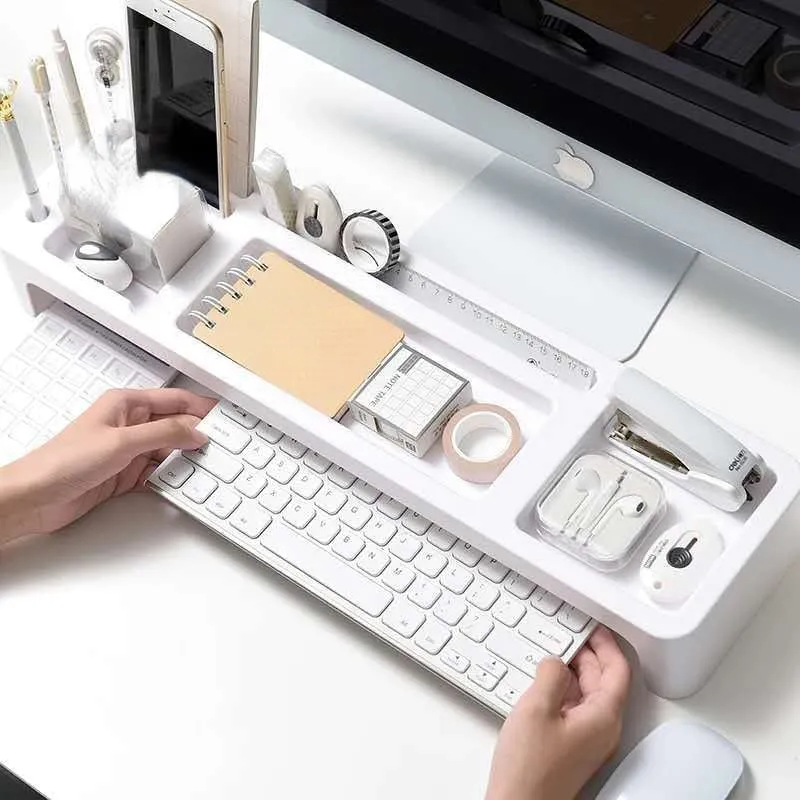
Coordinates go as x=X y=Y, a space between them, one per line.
x=103 y=265
x=677 y=761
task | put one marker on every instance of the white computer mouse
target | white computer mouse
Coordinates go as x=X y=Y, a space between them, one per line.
x=677 y=760
x=103 y=265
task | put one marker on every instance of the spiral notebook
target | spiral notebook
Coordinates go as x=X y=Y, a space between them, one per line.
x=296 y=332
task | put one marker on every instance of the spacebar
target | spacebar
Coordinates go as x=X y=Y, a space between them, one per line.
x=326 y=569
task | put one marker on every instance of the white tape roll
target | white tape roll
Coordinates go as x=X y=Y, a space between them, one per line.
x=480 y=441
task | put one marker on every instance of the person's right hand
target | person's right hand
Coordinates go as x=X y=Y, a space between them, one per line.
x=565 y=727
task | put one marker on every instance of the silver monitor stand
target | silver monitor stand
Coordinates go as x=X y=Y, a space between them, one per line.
x=555 y=253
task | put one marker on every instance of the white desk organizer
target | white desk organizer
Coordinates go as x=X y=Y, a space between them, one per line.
x=678 y=649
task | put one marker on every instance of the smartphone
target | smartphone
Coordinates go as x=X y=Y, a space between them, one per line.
x=178 y=87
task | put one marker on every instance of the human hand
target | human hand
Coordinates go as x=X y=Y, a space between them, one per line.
x=565 y=727
x=107 y=451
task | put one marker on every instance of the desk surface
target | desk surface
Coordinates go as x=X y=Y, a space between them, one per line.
x=142 y=657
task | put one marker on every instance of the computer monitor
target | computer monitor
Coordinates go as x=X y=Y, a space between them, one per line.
x=687 y=112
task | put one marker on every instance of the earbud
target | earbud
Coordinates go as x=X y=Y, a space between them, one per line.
x=629 y=507
x=587 y=482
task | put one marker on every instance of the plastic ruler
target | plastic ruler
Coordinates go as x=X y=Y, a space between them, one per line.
x=536 y=352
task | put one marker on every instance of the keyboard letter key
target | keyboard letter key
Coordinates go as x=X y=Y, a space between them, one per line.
x=403 y=618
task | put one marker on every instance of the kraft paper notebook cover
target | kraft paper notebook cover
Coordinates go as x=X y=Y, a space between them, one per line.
x=298 y=333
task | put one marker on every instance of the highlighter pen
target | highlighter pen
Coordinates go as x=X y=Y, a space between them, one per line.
x=71 y=89
x=41 y=85
x=38 y=210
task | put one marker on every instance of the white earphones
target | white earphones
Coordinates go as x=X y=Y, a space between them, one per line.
x=631 y=506
x=587 y=482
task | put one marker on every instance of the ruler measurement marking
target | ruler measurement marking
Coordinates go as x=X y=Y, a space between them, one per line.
x=539 y=353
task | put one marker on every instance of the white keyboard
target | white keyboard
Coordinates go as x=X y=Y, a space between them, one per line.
x=58 y=369
x=439 y=600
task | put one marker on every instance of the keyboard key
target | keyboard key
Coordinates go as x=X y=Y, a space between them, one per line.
x=515 y=650
x=467 y=554
x=5 y=385
x=509 y=612
x=373 y=561
x=492 y=665
x=519 y=586
x=95 y=358
x=323 y=529
x=492 y=569
x=347 y=545
x=476 y=626
x=268 y=433
x=424 y=593
x=258 y=455
x=142 y=381
x=223 y=503
x=22 y=433
x=14 y=367
x=57 y=395
x=298 y=515
x=238 y=414
x=331 y=500
x=365 y=492
x=326 y=569
x=306 y=485
x=292 y=447
x=482 y=678
x=416 y=523
x=573 y=618
x=35 y=380
x=432 y=637
x=455 y=660
x=549 y=637
x=391 y=507
x=76 y=376
x=250 y=483
x=282 y=469
x=355 y=516
x=31 y=348
x=405 y=547
x=176 y=473
x=76 y=407
x=398 y=577
x=48 y=329
x=318 y=463
x=18 y=400
x=199 y=488
x=403 y=618
x=450 y=609
x=118 y=372
x=430 y=563
x=215 y=461
x=509 y=692
x=250 y=521
x=96 y=389
x=341 y=477
x=482 y=595
x=53 y=362
x=380 y=531
x=231 y=437
x=440 y=538
x=274 y=499
x=39 y=413
x=6 y=418
x=456 y=579
x=544 y=601
x=72 y=343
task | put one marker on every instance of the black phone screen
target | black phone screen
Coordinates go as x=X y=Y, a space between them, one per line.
x=174 y=105
x=12 y=788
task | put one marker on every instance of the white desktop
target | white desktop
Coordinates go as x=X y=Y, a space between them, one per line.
x=228 y=732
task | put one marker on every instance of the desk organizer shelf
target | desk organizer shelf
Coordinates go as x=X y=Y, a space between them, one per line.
x=678 y=648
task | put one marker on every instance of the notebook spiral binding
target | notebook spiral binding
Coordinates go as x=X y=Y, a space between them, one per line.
x=228 y=289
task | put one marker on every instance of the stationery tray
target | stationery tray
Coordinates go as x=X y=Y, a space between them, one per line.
x=678 y=647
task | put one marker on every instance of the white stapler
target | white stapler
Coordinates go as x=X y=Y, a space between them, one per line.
x=678 y=441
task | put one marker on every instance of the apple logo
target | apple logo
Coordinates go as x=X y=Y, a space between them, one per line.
x=572 y=169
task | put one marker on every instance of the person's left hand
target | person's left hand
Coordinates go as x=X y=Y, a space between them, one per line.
x=109 y=450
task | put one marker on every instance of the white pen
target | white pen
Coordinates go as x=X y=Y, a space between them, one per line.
x=38 y=210
x=41 y=85
x=71 y=89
